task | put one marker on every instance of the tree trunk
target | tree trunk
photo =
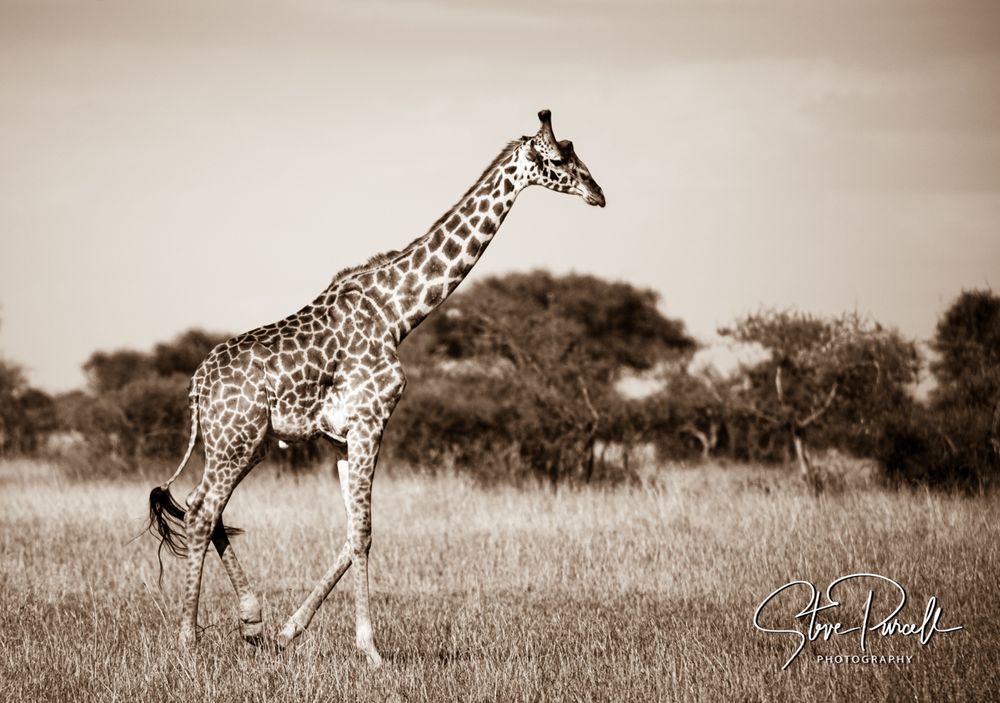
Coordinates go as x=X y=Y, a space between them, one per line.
x=590 y=459
x=702 y=439
x=995 y=434
x=707 y=441
x=554 y=468
x=805 y=466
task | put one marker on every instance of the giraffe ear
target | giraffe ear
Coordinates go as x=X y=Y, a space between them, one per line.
x=566 y=147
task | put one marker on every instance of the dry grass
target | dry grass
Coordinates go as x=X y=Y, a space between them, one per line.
x=641 y=593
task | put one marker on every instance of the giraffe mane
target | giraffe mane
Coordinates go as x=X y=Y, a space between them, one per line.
x=373 y=262
x=390 y=256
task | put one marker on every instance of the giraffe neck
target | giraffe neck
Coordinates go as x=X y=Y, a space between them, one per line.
x=430 y=268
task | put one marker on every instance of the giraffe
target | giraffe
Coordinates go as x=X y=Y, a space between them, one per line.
x=330 y=370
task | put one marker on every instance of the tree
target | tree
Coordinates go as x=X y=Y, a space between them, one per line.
x=967 y=342
x=699 y=405
x=954 y=442
x=12 y=385
x=109 y=371
x=153 y=414
x=834 y=375
x=533 y=358
x=185 y=352
x=614 y=326
x=27 y=415
x=137 y=407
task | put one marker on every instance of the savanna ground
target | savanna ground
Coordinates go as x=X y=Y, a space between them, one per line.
x=642 y=592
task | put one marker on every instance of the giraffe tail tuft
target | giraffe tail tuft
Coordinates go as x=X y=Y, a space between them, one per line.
x=166 y=519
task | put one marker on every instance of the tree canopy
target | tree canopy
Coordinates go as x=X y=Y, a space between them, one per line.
x=840 y=374
x=967 y=342
x=613 y=326
x=518 y=375
x=540 y=353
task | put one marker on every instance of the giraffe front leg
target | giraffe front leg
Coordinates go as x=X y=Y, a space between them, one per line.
x=363 y=443
x=300 y=620
x=363 y=450
x=370 y=411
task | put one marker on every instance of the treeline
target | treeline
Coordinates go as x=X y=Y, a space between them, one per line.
x=520 y=377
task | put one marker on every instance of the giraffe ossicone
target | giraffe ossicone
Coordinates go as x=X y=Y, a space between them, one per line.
x=330 y=370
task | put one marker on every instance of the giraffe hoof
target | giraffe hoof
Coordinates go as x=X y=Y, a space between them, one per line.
x=287 y=635
x=374 y=658
x=252 y=631
x=259 y=640
x=263 y=643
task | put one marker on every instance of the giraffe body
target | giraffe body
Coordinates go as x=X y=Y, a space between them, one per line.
x=330 y=370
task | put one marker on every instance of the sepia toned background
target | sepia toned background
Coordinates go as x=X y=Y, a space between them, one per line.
x=212 y=164
x=774 y=356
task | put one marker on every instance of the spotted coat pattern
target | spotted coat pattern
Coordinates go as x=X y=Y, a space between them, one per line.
x=330 y=370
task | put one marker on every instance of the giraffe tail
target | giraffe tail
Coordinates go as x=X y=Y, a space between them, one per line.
x=193 y=407
x=166 y=516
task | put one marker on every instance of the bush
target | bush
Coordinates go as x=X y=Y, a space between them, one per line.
x=27 y=415
x=953 y=442
x=154 y=413
x=135 y=416
x=940 y=449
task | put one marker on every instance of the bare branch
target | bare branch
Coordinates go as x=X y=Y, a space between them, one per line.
x=818 y=412
x=952 y=449
x=586 y=399
x=703 y=439
x=757 y=412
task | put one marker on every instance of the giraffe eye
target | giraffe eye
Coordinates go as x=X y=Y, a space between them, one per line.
x=557 y=162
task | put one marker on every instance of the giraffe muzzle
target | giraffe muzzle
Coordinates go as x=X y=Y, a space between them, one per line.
x=593 y=195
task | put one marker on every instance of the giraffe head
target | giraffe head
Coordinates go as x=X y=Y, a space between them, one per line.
x=555 y=165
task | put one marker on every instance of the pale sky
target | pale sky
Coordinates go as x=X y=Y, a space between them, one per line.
x=166 y=165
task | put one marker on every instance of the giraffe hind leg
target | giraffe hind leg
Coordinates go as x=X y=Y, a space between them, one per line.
x=203 y=524
x=203 y=513
x=251 y=614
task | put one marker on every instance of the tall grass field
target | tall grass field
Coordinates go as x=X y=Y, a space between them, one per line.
x=639 y=593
